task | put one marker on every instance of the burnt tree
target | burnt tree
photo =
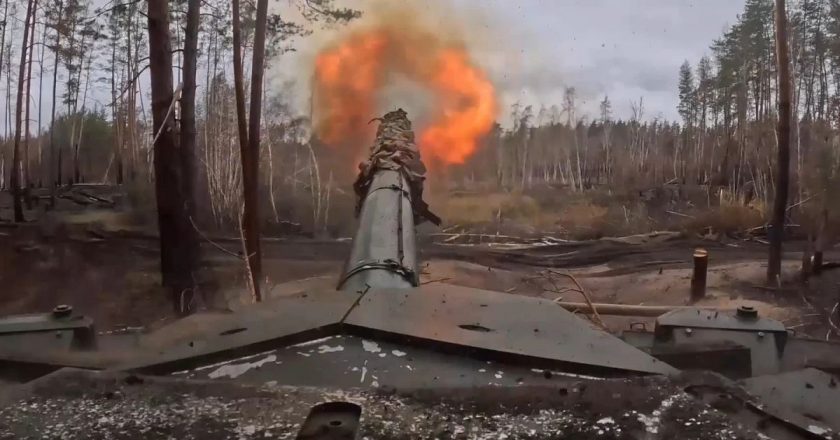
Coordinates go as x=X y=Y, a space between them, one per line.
x=777 y=226
x=250 y=173
x=176 y=271
x=187 y=147
x=248 y=211
x=249 y=138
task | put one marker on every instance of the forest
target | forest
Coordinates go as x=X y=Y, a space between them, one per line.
x=726 y=137
x=198 y=144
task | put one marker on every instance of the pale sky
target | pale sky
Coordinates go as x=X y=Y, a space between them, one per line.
x=622 y=48
x=532 y=49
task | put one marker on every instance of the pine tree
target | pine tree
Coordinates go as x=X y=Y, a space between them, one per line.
x=704 y=90
x=687 y=95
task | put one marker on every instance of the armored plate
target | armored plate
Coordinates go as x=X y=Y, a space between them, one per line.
x=806 y=397
x=41 y=322
x=702 y=318
x=764 y=354
x=514 y=326
x=765 y=338
x=279 y=322
x=347 y=361
x=804 y=353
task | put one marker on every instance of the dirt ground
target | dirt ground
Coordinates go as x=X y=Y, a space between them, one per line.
x=99 y=261
x=115 y=280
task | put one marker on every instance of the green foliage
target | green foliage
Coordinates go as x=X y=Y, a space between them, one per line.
x=822 y=179
x=316 y=10
x=605 y=110
x=281 y=32
x=97 y=138
x=745 y=61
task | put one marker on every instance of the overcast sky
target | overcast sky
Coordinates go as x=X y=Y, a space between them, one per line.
x=622 y=48
x=533 y=49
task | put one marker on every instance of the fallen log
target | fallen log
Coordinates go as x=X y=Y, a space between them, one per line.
x=624 y=309
x=830 y=265
x=679 y=214
x=95 y=197
x=450 y=236
x=76 y=198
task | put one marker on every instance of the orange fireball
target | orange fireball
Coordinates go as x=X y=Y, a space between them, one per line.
x=350 y=75
x=467 y=109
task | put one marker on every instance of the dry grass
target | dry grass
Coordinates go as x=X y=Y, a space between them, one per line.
x=726 y=218
x=538 y=211
x=590 y=214
x=482 y=209
x=583 y=219
x=569 y=215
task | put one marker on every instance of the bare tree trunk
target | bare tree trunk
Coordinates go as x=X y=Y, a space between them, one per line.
x=3 y=57
x=806 y=268
x=73 y=112
x=115 y=112
x=174 y=273
x=607 y=159
x=327 y=204
x=54 y=182
x=40 y=102
x=78 y=177
x=68 y=65
x=570 y=172
x=524 y=158
x=822 y=239
x=188 y=136
x=6 y=125
x=244 y=150
x=774 y=260
x=251 y=161
x=238 y=81
x=577 y=154
x=130 y=118
x=27 y=176
x=315 y=184
x=208 y=49
x=16 y=171
x=271 y=182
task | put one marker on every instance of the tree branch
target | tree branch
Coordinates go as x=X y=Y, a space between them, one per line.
x=175 y=97
x=216 y=245
x=100 y=12
x=582 y=291
x=128 y=85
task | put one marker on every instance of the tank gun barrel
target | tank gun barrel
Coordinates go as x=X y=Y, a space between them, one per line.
x=389 y=203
